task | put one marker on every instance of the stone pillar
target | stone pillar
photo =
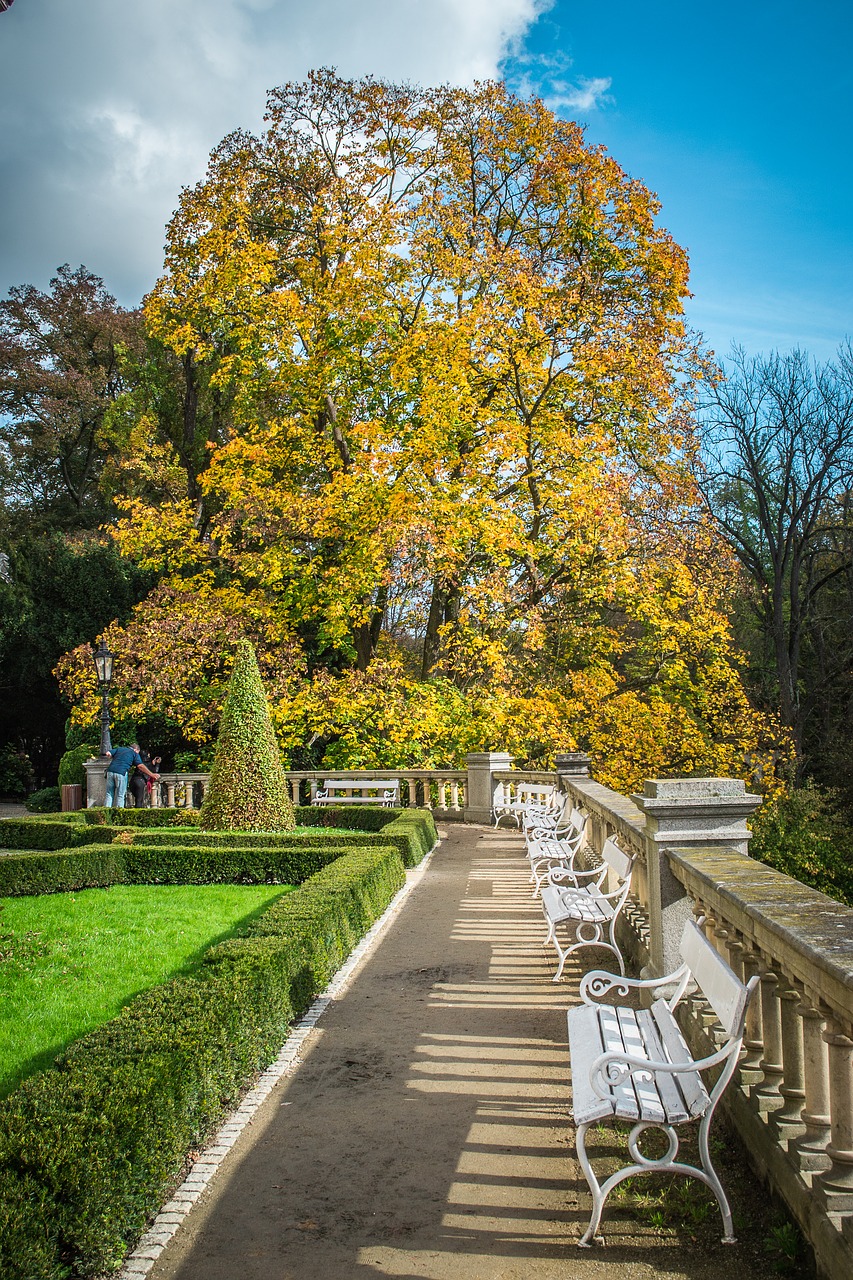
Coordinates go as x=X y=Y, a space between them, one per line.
x=96 y=782
x=572 y=764
x=682 y=812
x=481 y=787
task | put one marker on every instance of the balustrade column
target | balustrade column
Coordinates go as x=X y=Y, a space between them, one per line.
x=809 y=1150
x=753 y=1041
x=454 y=794
x=686 y=813
x=767 y=1096
x=835 y=1187
x=788 y=1121
x=170 y=795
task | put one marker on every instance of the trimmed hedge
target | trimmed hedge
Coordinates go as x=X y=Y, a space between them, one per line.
x=41 y=833
x=412 y=830
x=90 y=1148
x=23 y=874
x=100 y=816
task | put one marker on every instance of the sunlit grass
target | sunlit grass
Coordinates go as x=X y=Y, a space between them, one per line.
x=70 y=961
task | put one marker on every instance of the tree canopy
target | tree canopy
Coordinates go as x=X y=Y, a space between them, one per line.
x=429 y=353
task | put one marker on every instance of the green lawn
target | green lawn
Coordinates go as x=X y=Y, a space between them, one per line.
x=70 y=961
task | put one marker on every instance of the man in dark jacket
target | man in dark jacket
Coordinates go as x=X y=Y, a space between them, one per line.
x=121 y=761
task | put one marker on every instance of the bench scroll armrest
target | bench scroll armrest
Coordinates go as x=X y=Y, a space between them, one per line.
x=598 y=983
x=611 y=1069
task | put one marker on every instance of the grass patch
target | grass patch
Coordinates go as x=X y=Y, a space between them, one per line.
x=70 y=962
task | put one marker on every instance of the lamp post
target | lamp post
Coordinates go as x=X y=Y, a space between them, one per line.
x=103 y=660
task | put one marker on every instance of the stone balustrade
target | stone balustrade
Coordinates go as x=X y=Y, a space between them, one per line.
x=179 y=790
x=443 y=791
x=794 y=1103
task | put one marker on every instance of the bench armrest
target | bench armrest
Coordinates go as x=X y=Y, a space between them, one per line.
x=599 y=983
x=611 y=1069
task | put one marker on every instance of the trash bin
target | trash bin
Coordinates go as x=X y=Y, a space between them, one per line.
x=72 y=797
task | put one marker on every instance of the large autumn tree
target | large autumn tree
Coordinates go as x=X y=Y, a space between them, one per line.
x=450 y=337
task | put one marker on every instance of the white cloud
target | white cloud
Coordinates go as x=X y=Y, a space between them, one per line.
x=585 y=95
x=109 y=108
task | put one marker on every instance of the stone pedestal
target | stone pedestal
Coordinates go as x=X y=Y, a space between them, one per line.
x=96 y=781
x=481 y=785
x=679 y=813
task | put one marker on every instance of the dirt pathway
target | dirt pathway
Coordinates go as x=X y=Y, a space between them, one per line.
x=426 y=1131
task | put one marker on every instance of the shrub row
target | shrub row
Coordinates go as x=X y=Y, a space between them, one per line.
x=412 y=831
x=90 y=1148
x=53 y=833
x=65 y=871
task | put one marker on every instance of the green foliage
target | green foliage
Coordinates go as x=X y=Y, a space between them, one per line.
x=58 y=857
x=48 y=800
x=806 y=835
x=247 y=789
x=71 y=771
x=88 y=1149
x=62 y=594
x=16 y=772
x=57 y=832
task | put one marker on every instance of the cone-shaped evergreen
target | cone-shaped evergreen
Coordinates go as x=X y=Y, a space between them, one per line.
x=247 y=789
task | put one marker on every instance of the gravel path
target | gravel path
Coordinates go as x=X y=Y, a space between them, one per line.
x=426 y=1129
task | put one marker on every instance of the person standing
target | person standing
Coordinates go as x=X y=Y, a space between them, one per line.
x=121 y=761
x=140 y=785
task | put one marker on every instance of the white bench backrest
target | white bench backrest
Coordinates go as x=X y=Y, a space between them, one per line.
x=617 y=859
x=721 y=987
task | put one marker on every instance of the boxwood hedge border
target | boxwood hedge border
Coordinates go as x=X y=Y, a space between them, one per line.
x=90 y=1148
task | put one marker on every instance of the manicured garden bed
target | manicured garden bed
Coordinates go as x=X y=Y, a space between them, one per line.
x=71 y=961
x=91 y=1147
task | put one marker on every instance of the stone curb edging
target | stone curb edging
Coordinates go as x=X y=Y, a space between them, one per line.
x=140 y=1262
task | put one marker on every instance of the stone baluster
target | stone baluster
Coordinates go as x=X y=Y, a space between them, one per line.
x=170 y=795
x=454 y=794
x=788 y=1120
x=753 y=1039
x=834 y=1187
x=809 y=1151
x=767 y=1096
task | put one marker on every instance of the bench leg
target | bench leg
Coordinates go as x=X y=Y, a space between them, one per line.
x=643 y=1164
x=594 y=937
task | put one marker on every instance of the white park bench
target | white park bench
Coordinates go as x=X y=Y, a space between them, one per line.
x=634 y=1065
x=583 y=907
x=332 y=791
x=550 y=852
x=529 y=799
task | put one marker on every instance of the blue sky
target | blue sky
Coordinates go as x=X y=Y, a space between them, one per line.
x=738 y=116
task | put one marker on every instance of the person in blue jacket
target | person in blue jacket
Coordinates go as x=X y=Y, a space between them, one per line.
x=121 y=761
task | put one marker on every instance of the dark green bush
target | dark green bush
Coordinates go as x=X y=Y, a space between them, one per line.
x=805 y=835
x=89 y=1148
x=71 y=771
x=48 y=800
x=55 y=832
x=24 y=874
x=16 y=772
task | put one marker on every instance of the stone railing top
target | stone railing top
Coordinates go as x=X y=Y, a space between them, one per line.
x=611 y=806
x=808 y=933
x=354 y=774
x=540 y=777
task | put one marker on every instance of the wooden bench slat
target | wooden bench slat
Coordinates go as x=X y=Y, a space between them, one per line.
x=585 y=1045
x=674 y=1103
x=690 y=1082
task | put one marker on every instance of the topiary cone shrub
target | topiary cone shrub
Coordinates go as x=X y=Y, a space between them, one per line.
x=247 y=789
